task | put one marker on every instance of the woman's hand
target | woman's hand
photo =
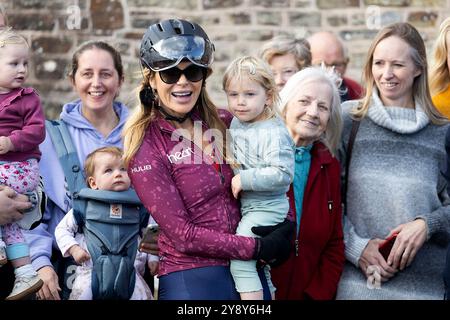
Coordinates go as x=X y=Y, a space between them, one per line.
x=236 y=185
x=50 y=289
x=371 y=262
x=150 y=246
x=12 y=205
x=411 y=237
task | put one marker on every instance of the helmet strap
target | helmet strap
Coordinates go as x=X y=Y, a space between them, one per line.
x=174 y=118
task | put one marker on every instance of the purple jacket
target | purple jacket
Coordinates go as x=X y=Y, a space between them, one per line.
x=190 y=200
x=22 y=120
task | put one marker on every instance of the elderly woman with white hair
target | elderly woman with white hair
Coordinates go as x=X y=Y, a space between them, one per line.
x=310 y=106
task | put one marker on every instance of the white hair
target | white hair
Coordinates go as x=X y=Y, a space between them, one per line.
x=334 y=128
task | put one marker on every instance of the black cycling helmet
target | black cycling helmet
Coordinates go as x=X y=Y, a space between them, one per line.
x=166 y=43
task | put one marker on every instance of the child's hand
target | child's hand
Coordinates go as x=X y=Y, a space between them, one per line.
x=236 y=185
x=153 y=267
x=5 y=145
x=79 y=254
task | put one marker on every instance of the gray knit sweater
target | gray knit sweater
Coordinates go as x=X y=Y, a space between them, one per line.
x=394 y=178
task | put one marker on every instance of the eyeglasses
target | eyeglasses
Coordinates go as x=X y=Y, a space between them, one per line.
x=337 y=64
x=192 y=73
x=168 y=53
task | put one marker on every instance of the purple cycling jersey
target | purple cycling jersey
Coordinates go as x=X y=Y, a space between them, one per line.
x=190 y=200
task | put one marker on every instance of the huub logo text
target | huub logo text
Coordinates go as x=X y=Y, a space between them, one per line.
x=137 y=169
x=177 y=156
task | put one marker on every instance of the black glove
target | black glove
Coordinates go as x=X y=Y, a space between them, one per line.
x=275 y=245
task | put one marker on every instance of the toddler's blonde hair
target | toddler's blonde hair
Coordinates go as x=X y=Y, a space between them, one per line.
x=9 y=36
x=257 y=70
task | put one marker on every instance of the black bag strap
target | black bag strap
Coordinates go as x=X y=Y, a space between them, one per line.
x=351 y=141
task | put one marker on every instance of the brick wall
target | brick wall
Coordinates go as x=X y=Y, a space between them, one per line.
x=55 y=28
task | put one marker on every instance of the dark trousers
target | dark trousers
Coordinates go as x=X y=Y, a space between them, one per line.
x=207 y=283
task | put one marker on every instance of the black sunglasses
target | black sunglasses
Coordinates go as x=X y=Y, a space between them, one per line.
x=192 y=73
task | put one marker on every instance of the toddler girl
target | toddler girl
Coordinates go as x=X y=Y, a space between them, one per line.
x=264 y=154
x=22 y=129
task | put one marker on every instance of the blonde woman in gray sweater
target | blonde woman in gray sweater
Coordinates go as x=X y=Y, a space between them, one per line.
x=394 y=181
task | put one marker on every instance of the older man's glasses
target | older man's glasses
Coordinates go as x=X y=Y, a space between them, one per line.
x=192 y=73
x=336 y=64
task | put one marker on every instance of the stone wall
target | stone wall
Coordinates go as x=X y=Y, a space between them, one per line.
x=55 y=28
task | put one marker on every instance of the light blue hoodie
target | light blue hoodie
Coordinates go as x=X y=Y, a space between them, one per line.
x=86 y=139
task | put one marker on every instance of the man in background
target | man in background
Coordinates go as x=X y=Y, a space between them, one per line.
x=326 y=47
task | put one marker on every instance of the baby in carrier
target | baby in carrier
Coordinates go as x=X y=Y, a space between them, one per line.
x=103 y=241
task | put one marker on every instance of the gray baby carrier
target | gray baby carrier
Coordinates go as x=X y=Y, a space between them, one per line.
x=110 y=220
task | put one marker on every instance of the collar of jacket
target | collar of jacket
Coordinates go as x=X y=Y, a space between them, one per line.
x=321 y=154
x=14 y=94
x=320 y=157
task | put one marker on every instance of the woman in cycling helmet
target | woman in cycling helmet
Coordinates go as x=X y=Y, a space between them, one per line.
x=176 y=151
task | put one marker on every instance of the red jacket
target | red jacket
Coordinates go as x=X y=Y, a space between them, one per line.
x=320 y=261
x=355 y=91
